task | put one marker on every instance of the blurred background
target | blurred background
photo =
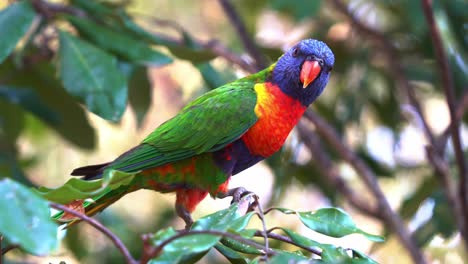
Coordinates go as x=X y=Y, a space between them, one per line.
x=364 y=102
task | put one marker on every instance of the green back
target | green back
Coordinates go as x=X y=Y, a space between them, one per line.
x=207 y=124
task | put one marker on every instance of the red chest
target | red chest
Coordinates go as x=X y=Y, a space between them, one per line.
x=277 y=115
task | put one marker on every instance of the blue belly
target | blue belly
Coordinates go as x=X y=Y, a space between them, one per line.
x=235 y=158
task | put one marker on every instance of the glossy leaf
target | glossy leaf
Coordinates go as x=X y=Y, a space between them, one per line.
x=29 y=100
x=220 y=220
x=288 y=257
x=91 y=75
x=199 y=243
x=240 y=247
x=181 y=247
x=329 y=253
x=126 y=47
x=334 y=222
x=15 y=21
x=240 y=223
x=25 y=219
x=77 y=189
x=233 y=256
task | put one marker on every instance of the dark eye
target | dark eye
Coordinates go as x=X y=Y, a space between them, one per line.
x=295 y=52
x=320 y=61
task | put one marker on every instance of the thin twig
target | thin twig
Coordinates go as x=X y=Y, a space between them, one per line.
x=462 y=108
x=247 y=41
x=155 y=251
x=261 y=215
x=117 y=242
x=288 y=240
x=447 y=82
x=325 y=165
x=370 y=179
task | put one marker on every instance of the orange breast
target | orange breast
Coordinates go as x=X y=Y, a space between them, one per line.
x=277 y=115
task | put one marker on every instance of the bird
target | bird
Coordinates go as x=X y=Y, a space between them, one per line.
x=221 y=133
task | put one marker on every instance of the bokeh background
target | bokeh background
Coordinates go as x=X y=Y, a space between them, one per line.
x=364 y=102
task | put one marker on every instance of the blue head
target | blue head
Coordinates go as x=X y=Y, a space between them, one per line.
x=303 y=71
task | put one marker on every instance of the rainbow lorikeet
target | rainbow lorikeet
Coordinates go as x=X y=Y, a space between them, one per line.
x=223 y=132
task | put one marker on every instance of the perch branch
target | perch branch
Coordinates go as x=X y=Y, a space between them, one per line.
x=369 y=178
x=117 y=242
x=447 y=84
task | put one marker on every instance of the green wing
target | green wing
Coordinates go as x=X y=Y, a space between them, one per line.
x=207 y=124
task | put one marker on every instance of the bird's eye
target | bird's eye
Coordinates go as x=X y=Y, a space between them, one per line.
x=320 y=61
x=295 y=52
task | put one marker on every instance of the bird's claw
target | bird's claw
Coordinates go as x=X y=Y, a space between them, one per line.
x=238 y=194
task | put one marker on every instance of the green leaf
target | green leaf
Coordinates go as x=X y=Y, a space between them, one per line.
x=240 y=223
x=334 y=222
x=77 y=189
x=288 y=257
x=441 y=221
x=15 y=21
x=240 y=247
x=92 y=76
x=25 y=219
x=188 y=50
x=233 y=256
x=29 y=100
x=220 y=220
x=181 y=248
x=140 y=93
x=126 y=47
x=330 y=253
x=283 y=210
x=412 y=203
x=41 y=77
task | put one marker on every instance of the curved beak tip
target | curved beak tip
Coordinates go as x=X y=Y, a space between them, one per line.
x=309 y=72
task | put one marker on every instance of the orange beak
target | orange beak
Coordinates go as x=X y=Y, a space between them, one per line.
x=310 y=70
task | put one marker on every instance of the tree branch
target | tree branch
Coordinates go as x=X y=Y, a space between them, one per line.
x=447 y=82
x=369 y=178
x=247 y=41
x=325 y=165
x=117 y=242
x=391 y=54
x=462 y=108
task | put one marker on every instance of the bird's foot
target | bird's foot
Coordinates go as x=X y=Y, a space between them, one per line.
x=238 y=194
x=235 y=193
x=183 y=213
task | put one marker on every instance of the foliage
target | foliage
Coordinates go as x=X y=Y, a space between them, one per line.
x=61 y=61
